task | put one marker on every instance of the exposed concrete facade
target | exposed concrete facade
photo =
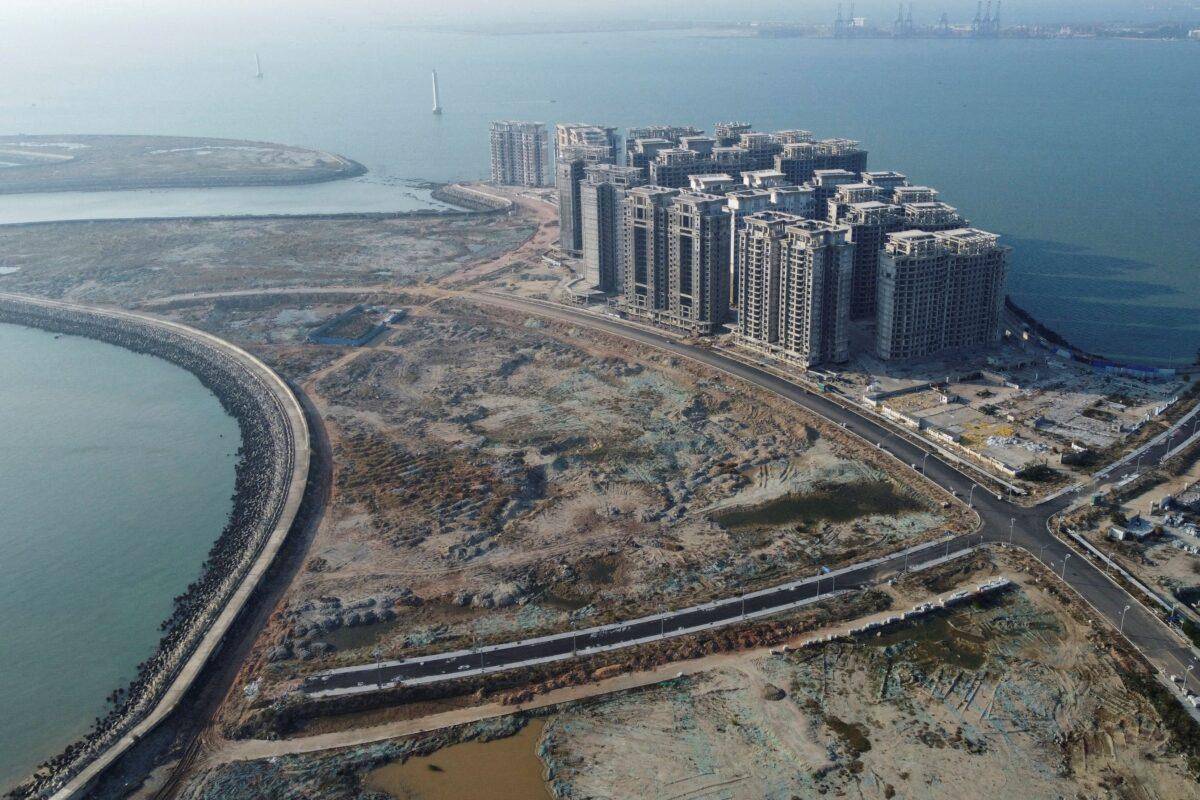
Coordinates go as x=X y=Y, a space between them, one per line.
x=814 y=290
x=799 y=160
x=518 y=153
x=569 y=171
x=794 y=282
x=697 y=263
x=644 y=248
x=642 y=144
x=757 y=252
x=577 y=146
x=602 y=196
x=939 y=291
x=870 y=223
x=741 y=203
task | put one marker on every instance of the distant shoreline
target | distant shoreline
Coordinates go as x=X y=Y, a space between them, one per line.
x=57 y=163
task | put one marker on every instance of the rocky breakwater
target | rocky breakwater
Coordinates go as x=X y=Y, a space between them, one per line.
x=272 y=467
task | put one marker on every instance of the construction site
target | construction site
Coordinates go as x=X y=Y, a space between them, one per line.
x=497 y=475
x=1016 y=687
x=501 y=477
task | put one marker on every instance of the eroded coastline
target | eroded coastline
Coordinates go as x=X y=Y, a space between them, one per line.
x=270 y=473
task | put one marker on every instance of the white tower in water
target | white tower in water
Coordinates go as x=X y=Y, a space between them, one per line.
x=437 y=103
x=257 y=66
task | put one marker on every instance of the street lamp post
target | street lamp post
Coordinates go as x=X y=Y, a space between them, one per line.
x=971 y=496
x=924 y=461
x=377 y=653
x=1064 y=570
x=1011 y=524
x=1042 y=551
x=1121 y=629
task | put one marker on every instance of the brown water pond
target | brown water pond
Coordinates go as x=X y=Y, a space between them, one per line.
x=502 y=769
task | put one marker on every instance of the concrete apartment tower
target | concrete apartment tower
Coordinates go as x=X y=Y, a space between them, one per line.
x=730 y=133
x=911 y=302
x=758 y=251
x=644 y=250
x=816 y=263
x=939 y=292
x=799 y=160
x=763 y=193
x=602 y=199
x=577 y=146
x=643 y=144
x=870 y=223
x=697 y=263
x=518 y=153
x=976 y=275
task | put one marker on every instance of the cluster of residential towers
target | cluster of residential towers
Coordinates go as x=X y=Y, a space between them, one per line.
x=782 y=238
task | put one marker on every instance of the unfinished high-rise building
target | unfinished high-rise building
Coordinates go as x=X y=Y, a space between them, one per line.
x=799 y=160
x=870 y=223
x=569 y=171
x=577 y=146
x=697 y=263
x=518 y=153
x=568 y=134
x=655 y=137
x=728 y=133
x=904 y=194
x=977 y=270
x=757 y=250
x=602 y=197
x=763 y=193
x=885 y=179
x=644 y=250
x=794 y=284
x=939 y=292
x=932 y=216
x=814 y=293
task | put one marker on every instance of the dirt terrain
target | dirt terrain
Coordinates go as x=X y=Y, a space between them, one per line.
x=74 y=163
x=129 y=264
x=498 y=476
x=1016 y=693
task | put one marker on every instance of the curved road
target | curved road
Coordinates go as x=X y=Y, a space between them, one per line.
x=1001 y=521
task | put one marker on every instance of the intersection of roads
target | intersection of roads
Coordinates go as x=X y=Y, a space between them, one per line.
x=1001 y=521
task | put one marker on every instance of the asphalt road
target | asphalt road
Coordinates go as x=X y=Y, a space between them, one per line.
x=1002 y=521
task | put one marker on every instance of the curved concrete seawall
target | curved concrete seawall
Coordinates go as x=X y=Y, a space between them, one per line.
x=271 y=478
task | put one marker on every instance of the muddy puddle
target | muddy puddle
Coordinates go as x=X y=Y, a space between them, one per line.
x=503 y=769
x=939 y=639
x=834 y=502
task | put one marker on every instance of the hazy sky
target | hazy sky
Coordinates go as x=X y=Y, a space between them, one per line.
x=211 y=14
